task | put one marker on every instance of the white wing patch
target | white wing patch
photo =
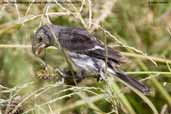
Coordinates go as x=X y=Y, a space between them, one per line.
x=96 y=47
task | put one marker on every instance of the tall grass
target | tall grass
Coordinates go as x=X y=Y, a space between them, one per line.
x=139 y=29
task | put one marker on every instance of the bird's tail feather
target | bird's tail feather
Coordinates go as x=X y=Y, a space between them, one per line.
x=131 y=81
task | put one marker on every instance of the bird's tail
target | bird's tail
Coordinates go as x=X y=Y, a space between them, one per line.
x=131 y=81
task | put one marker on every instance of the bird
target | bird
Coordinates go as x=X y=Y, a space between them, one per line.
x=87 y=53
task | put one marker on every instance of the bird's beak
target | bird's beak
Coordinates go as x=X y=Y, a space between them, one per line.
x=39 y=49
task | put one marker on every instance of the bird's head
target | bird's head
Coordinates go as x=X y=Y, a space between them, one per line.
x=42 y=39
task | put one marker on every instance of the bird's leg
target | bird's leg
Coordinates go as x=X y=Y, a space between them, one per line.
x=99 y=75
x=99 y=78
x=102 y=74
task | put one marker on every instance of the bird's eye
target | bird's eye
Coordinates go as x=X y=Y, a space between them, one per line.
x=40 y=39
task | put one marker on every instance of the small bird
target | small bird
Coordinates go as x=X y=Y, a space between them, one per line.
x=87 y=53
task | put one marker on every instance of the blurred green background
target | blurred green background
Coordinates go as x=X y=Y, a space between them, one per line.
x=139 y=29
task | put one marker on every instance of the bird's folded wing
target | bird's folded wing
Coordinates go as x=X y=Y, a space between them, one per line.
x=80 y=41
x=111 y=55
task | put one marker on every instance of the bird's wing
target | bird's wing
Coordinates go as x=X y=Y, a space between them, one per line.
x=80 y=41
x=76 y=39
